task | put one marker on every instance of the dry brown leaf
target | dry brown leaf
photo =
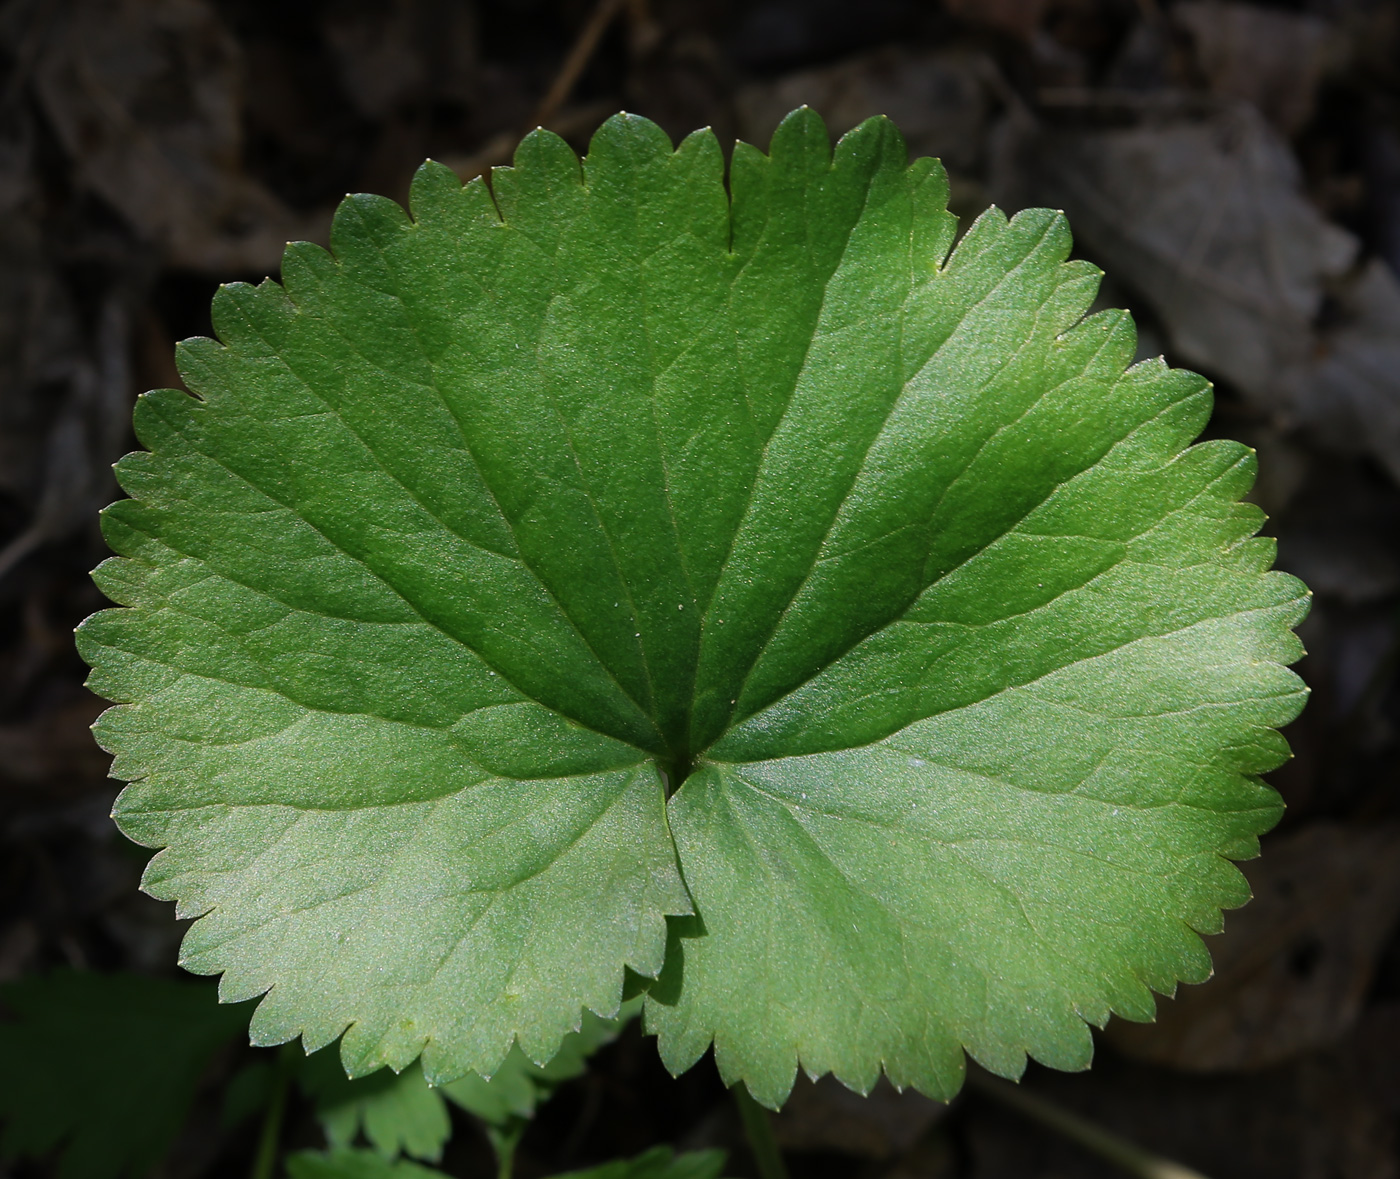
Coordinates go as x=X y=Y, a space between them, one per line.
x=1205 y=218
x=1293 y=967
x=1324 y=1115
x=939 y=101
x=1349 y=390
x=1274 y=60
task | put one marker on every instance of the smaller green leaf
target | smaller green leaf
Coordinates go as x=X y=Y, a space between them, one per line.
x=510 y=1094
x=103 y=1067
x=398 y=1113
x=658 y=1163
x=520 y=1085
x=401 y=1114
x=354 y=1164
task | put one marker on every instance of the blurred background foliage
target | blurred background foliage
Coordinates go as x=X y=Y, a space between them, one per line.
x=1234 y=167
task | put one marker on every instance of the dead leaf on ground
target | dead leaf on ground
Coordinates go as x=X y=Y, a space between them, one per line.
x=1293 y=967
x=1349 y=390
x=1275 y=60
x=1205 y=218
x=941 y=102
x=144 y=95
x=1325 y=1115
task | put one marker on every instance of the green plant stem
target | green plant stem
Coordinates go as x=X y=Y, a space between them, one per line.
x=1108 y=1146
x=504 y=1140
x=759 y=1131
x=265 y=1161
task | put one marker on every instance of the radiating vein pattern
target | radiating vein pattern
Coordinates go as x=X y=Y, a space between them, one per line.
x=488 y=526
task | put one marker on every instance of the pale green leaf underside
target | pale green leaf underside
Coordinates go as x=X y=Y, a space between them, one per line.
x=491 y=523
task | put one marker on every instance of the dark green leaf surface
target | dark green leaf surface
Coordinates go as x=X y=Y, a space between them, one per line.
x=658 y=1163
x=354 y=1164
x=102 y=1067
x=497 y=524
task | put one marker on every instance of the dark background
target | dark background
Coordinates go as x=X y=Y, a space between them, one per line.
x=1236 y=170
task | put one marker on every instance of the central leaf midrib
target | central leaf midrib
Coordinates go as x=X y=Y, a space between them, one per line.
x=761 y=460
x=678 y=762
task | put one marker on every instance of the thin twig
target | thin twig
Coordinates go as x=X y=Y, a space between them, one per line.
x=759 y=1131
x=577 y=61
x=1108 y=1146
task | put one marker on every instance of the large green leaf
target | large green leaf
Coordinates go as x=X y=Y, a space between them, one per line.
x=102 y=1068
x=611 y=547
